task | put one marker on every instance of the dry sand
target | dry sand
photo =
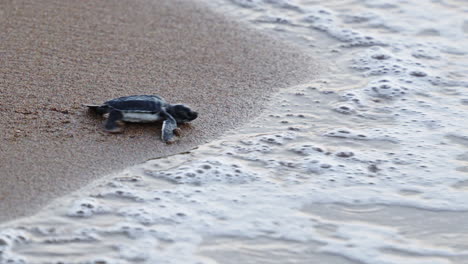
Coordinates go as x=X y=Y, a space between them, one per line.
x=57 y=54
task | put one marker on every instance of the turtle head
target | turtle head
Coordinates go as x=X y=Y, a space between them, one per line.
x=182 y=113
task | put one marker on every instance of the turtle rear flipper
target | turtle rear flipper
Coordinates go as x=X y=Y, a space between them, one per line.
x=111 y=125
x=100 y=109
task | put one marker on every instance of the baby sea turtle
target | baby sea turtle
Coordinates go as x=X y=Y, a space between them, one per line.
x=144 y=109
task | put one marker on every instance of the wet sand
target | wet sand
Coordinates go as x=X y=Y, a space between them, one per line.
x=56 y=55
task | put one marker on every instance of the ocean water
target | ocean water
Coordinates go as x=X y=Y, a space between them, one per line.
x=366 y=164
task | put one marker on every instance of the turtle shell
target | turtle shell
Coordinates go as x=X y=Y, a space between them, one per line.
x=137 y=104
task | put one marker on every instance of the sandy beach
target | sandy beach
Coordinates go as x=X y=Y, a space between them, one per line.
x=56 y=55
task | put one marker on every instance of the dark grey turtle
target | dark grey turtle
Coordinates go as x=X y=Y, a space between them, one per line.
x=144 y=109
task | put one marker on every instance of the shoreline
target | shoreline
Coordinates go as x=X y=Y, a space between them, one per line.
x=58 y=55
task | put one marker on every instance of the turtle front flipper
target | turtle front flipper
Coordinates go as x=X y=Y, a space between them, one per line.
x=111 y=123
x=168 y=127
